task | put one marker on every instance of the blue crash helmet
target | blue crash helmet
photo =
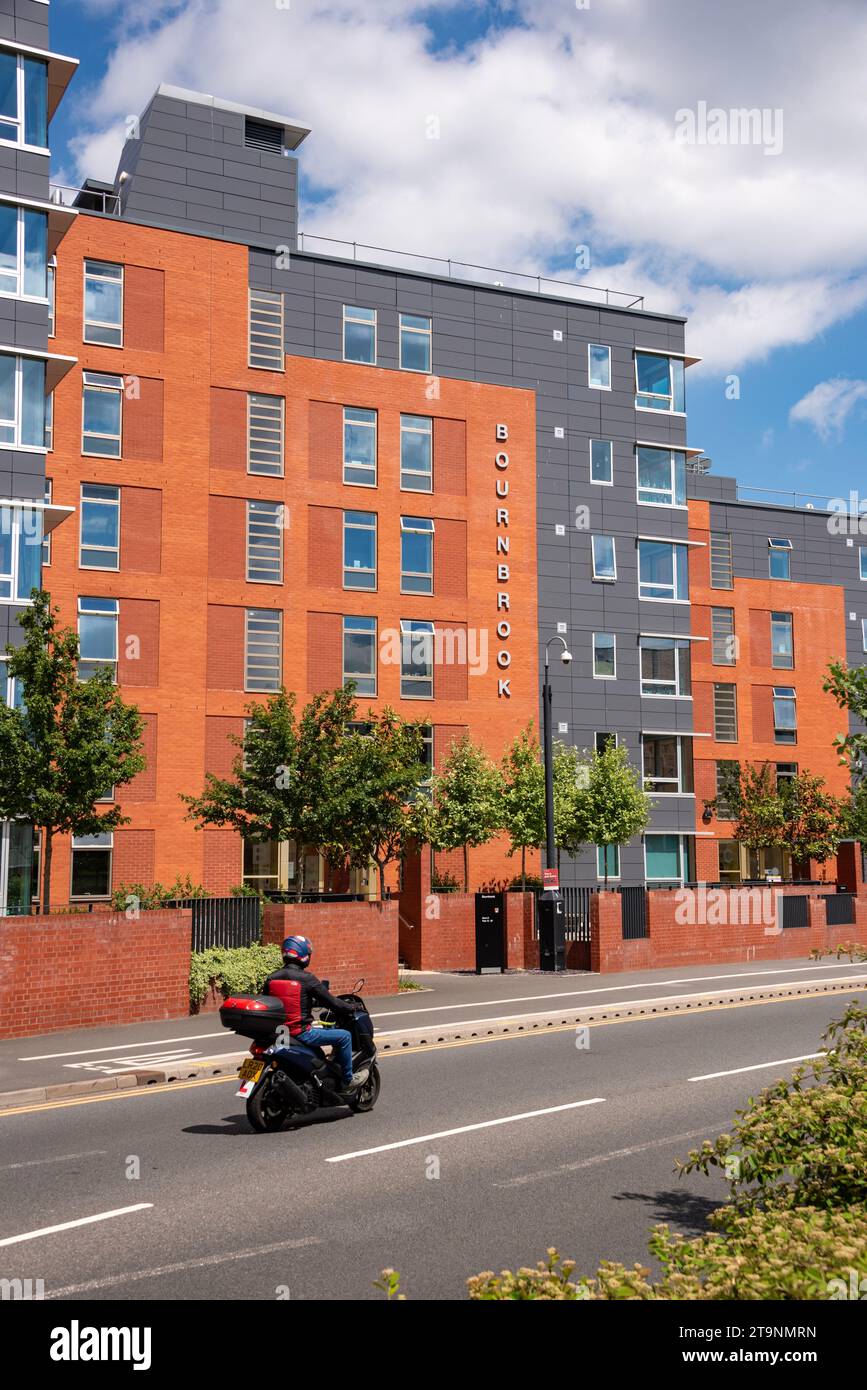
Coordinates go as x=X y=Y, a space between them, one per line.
x=297 y=948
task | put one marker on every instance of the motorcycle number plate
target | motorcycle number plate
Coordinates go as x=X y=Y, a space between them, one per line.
x=251 y=1070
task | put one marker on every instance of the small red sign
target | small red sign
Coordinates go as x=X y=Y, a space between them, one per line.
x=550 y=878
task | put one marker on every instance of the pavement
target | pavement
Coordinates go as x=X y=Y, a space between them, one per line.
x=479 y=1155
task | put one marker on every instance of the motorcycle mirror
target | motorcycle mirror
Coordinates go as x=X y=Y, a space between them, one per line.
x=358 y=986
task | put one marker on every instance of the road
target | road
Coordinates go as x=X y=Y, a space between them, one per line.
x=478 y=1155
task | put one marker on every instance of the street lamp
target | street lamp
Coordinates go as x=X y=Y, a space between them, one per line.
x=551 y=940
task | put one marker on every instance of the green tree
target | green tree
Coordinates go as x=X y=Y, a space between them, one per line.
x=569 y=772
x=611 y=806
x=848 y=685
x=816 y=820
x=69 y=741
x=466 y=809
x=523 y=797
x=749 y=796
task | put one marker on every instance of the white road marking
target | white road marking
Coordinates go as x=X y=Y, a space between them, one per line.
x=609 y=1157
x=759 y=1066
x=160 y=1270
x=110 y=1065
x=70 y=1225
x=119 y=1047
x=466 y=1129
x=59 y=1158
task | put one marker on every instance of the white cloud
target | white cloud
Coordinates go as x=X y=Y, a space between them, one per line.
x=828 y=406
x=558 y=133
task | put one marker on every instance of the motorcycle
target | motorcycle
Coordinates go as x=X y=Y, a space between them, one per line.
x=284 y=1077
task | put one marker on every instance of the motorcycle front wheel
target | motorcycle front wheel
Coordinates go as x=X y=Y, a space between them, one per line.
x=368 y=1094
x=266 y=1110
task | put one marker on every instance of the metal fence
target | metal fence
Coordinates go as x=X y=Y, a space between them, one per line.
x=634 y=913
x=223 y=921
x=576 y=910
x=795 y=911
x=840 y=909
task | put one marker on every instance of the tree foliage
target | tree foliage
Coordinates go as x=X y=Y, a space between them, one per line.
x=466 y=802
x=797 y=814
x=523 y=797
x=611 y=807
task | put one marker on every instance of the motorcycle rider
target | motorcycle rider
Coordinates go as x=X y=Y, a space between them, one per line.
x=299 y=989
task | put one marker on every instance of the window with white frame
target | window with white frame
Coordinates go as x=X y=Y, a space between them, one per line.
x=416 y=554
x=607 y=861
x=264 y=542
x=416 y=453
x=864 y=634
x=782 y=641
x=23 y=100
x=103 y=303
x=265 y=435
x=359 y=447
x=263 y=650
x=415 y=343
x=604 y=656
x=99 y=538
x=49 y=422
x=47 y=496
x=51 y=294
x=785 y=715
x=779 y=557
x=359 y=335
x=604 y=559
x=723 y=641
x=359 y=550
x=23 y=253
x=102 y=414
x=359 y=654
x=265 y=348
x=661 y=475
x=97 y=636
x=663 y=571
x=22 y=402
x=602 y=462
x=668 y=859
x=725 y=713
x=20 y=552
x=599 y=366
x=862 y=562
x=91 y=865
x=665 y=667
x=659 y=383
x=667 y=767
x=416 y=660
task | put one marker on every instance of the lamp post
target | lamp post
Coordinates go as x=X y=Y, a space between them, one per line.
x=551 y=941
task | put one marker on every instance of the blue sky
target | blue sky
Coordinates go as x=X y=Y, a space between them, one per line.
x=558 y=128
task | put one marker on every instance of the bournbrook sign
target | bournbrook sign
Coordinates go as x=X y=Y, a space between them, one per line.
x=504 y=567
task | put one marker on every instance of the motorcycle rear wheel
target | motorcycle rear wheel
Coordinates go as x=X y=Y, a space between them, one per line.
x=265 y=1110
x=368 y=1094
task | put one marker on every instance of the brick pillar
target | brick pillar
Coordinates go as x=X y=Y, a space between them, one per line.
x=606 y=931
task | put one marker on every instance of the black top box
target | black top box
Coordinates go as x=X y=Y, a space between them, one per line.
x=256 y=1016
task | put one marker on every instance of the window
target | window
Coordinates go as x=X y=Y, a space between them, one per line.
x=359 y=447
x=723 y=640
x=661 y=477
x=416 y=453
x=102 y=415
x=415 y=343
x=263 y=657
x=604 y=656
x=785 y=715
x=416 y=660
x=265 y=435
x=51 y=292
x=359 y=550
x=359 y=654
x=725 y=713
x=666 y=764
x=607 y=861
x=263 y=135
x=49 y=422
x=24 y=253
x=97 y=636
x=20 y=552
x=416 y=555
x=46 y=544
x=864 y=634
x=359 y=335
x=666 y=858
x=265 y=542
x=659 y=383
x=265 y=348
x=786 y=773
x=779 y=558
x=423 y=791
x=665 y=667
x=782 y=641
x=599 y=366
x=721 y=569
x=604 y=559
x=22 y=402
x=663 y=571
x=99 y=540
x=91 y=866
x=729 y=861
x=103 y=303
x=23 y=100
x=862 y=562
x=602 y=462
x=604 y=740
x=726 y=771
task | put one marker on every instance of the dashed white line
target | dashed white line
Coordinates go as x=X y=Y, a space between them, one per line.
x=71 y=1225
x=758 y=1066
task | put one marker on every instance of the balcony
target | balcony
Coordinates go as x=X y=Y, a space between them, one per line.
x=92 y=196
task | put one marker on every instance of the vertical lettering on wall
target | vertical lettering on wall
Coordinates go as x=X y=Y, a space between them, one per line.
x=504 y=602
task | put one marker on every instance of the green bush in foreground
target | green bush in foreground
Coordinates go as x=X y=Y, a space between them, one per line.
x=239 y=970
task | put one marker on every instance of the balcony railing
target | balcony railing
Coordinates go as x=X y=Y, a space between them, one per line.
x=90 y=199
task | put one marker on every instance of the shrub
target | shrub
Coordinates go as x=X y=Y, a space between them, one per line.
x=236 y=970
x=156 y=896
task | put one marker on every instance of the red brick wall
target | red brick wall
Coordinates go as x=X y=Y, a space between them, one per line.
x=92 y=970
x=225 y=648
x=144 y=786
x=143 y=422
x=220 y=753
x=133 y=858
x=227 y=538
x=139 y=642
x=450 y=457
x=763 y=716
x=140 y=530
x=223 y=862
x=228 y=432
x=325 y=549
x=326 y=441
x=450 y=559
x=324 y=651
x=451 y=679
x=760 y=637
x=351 y=941
x=144 y=308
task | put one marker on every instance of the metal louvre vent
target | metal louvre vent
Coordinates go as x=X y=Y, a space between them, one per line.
x=264 y=543
x=721 y=571
x=725 y=713
x=265 y=435
x=266 y=330
x=261 y=135
x=263 y=650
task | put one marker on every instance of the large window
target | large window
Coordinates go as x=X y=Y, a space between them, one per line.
x=604 y=656
x=785 y=715
x=599 y=366
x=602 y=462
x=721 y=566
x=22 y=402
x=722 y=636
x=265 y=542
x=359 y=654
x=604 y=559
x=782 y=641
x=20 y=552
x=661 y=477
x=727 y=771
x=23 y=252
x=607 y=861
x=359 y=447
x=665 y=667
x=359 y=550
x=97 y=636
x=266 y=334
x=263 y=655
x=91 y=865
x=729 y=861
x=667 y=858
x=725 y=713
x=99 y=540
x=265 y=430
x=663 y=571
x=416 y=554
x=667 y=764
x=779 y=558
x=23 y=100
x=359 y=335
x=659 y=383
x=416 y=453
x=415 y=343
x=102 y=415
x=416 y=660
x=103 y=303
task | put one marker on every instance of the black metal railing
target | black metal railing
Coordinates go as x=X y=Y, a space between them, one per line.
x=795 y=910
x=634 y=913
x=576 y=910
x=223 y=921
x=840 y=909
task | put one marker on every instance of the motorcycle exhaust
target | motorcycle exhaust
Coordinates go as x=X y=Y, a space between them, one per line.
x=299 y=1100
